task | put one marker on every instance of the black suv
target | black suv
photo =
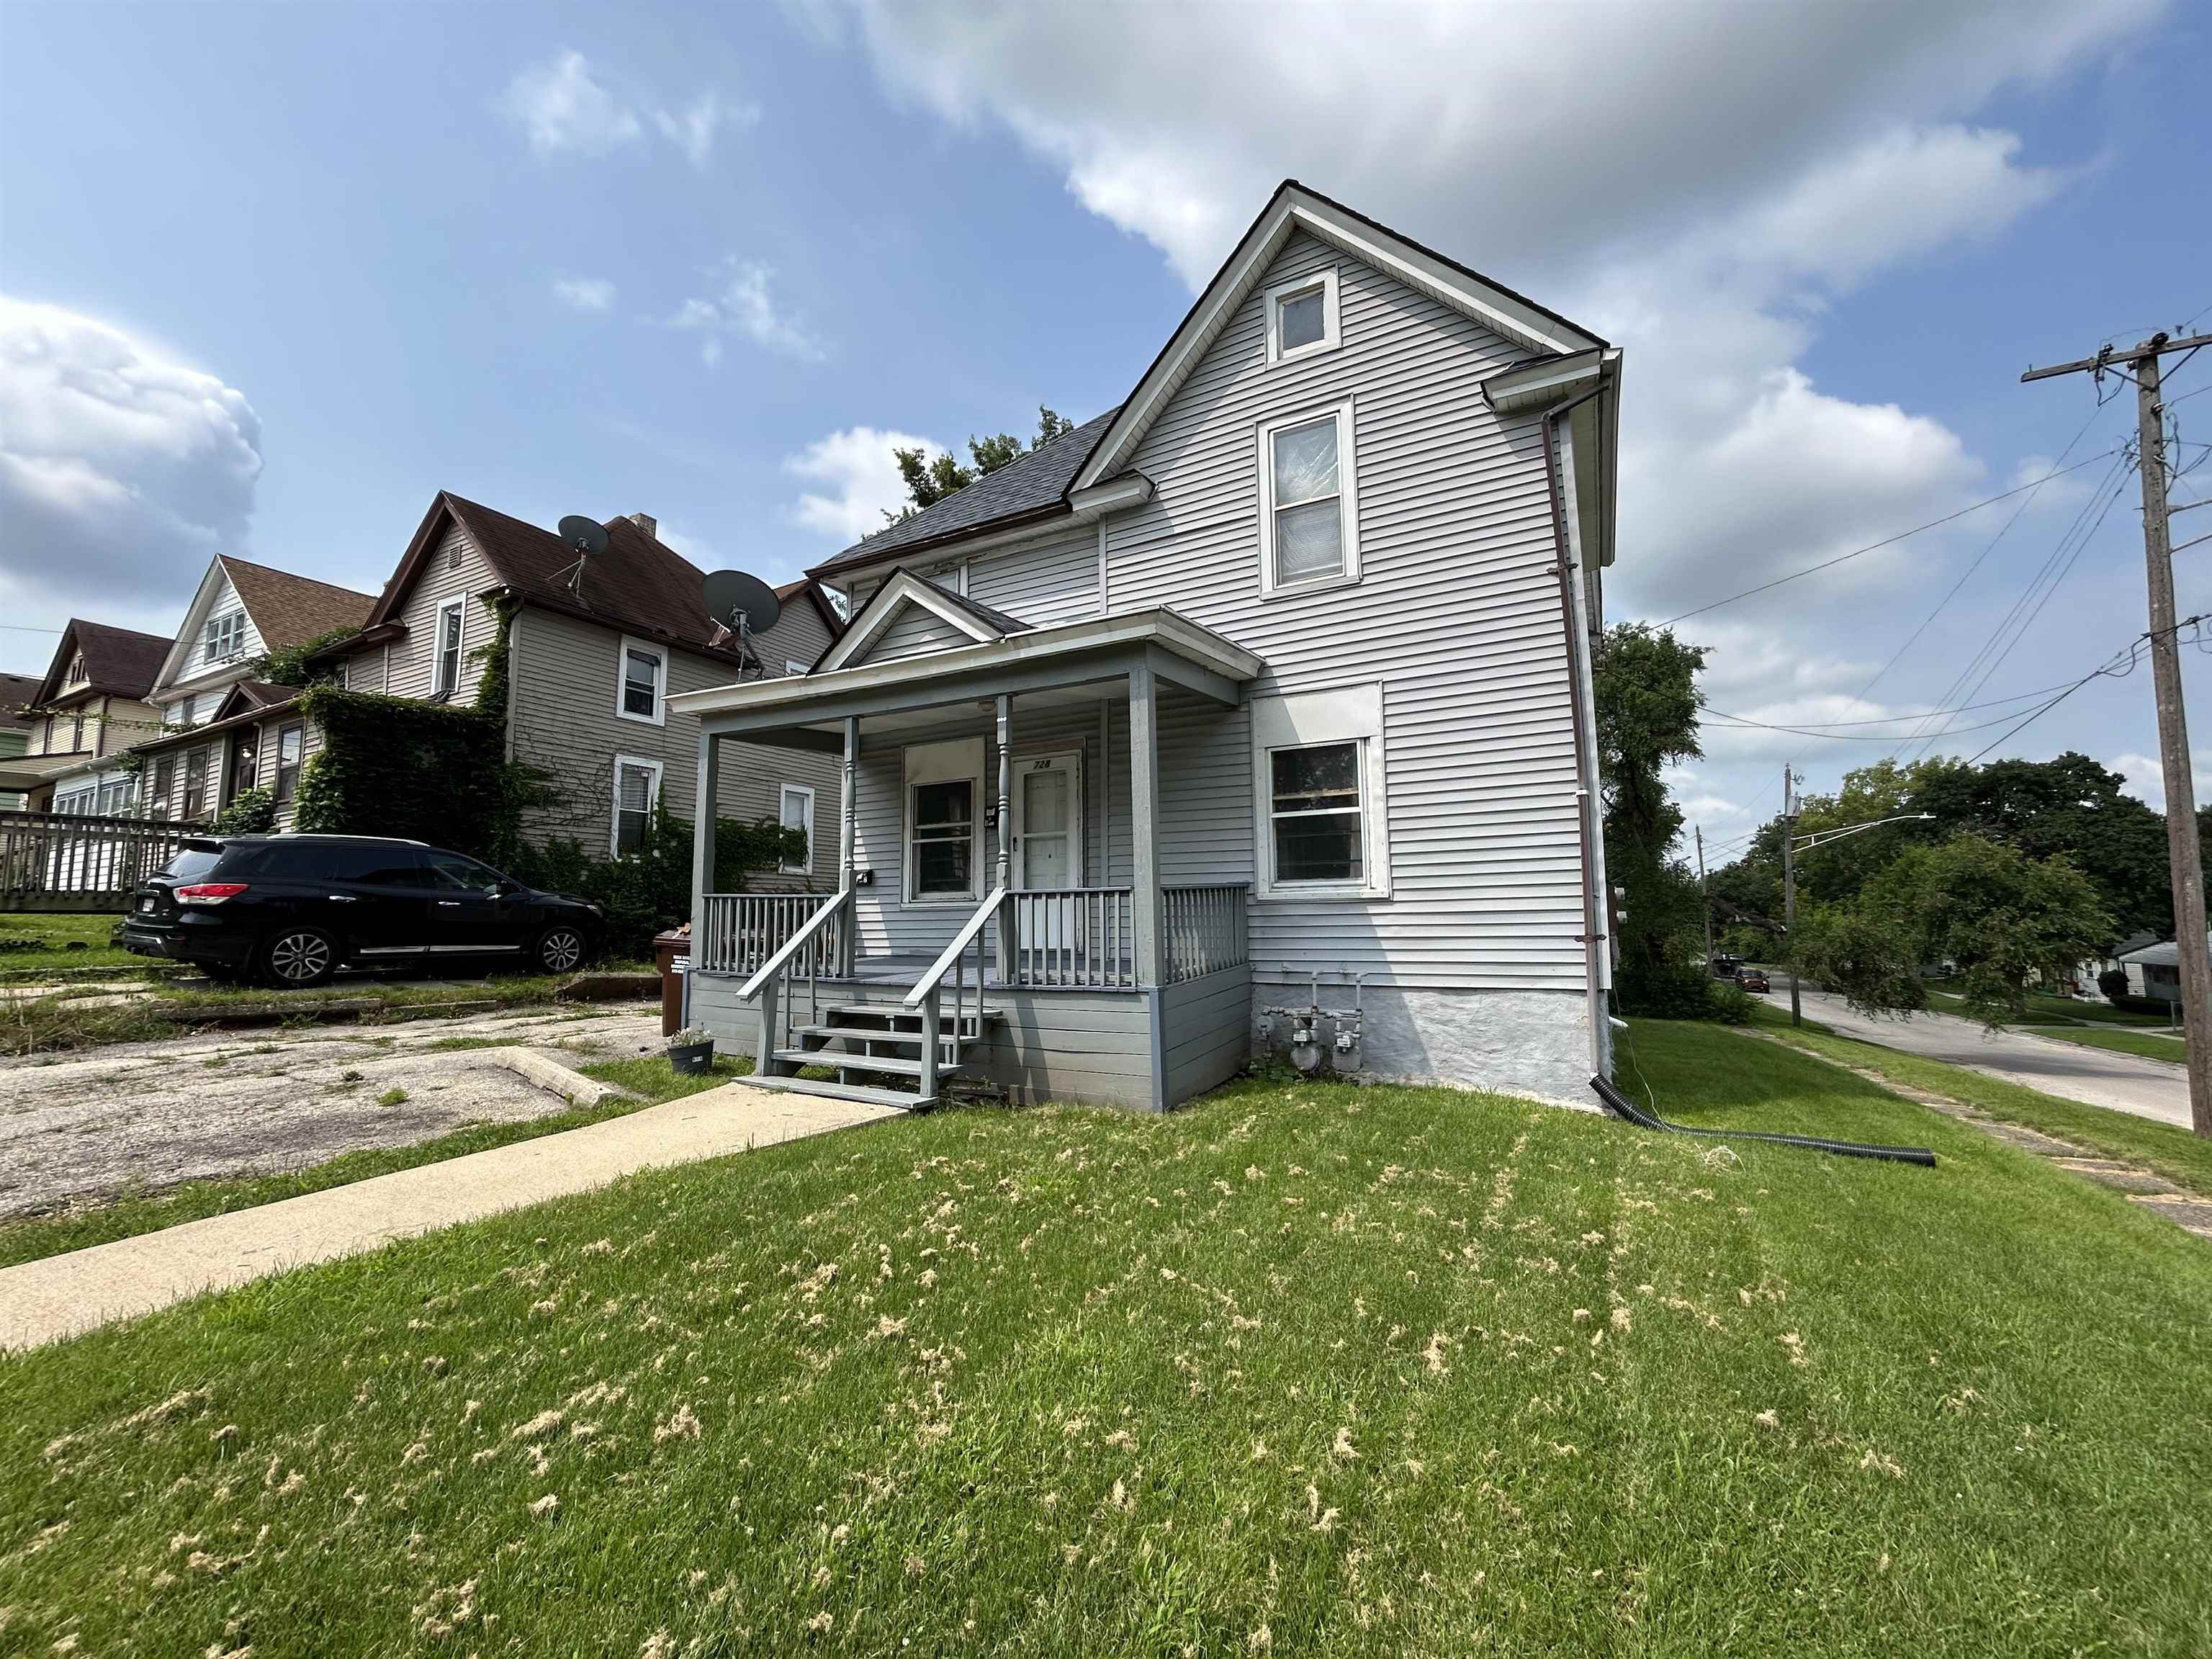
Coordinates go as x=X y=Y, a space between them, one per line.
x=293 y=909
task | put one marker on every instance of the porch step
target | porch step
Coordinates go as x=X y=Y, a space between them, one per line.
x=807 y=1085
x=843 y=1059
x=895 y=1014
x=911 y=1036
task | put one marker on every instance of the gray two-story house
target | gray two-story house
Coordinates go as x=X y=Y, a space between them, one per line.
x=1254 y=714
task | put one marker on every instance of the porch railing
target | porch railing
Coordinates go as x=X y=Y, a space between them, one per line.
x=816 y=948
x=74 y=861
x=737 y=933
x=928 y=993
x=1205 y=930
x=1072 y=936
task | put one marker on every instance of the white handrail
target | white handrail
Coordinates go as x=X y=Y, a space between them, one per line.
x=792 y=946
x=961 y=940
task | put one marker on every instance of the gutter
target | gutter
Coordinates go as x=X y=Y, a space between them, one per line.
x=1596 y=948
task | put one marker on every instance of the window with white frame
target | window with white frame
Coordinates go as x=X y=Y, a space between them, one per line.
x=223 y=637
x=644 y=684
x=1302 y=318
x=446 y=668
x=793 y=665
x=637 y=796
x=943 y=822
x=76 y=675
x=1319 y=806
x=795 y=810
x=1309 y=506
x=291 y=748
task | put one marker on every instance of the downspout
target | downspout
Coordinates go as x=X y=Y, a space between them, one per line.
x=1597 y=959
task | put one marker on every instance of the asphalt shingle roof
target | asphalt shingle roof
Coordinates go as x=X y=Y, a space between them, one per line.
x=118 y=660
x=1034 y=483
x=288 y=609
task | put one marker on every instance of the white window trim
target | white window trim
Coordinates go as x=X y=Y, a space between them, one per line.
x=1352 y=714
x=792 y=665
x=1347 y=496
x=659 y=654
x=783 y=795
x=1332 y=336
x=883 y=607
x=459 y=602
x=942 y=763
x=635 y=762
x=221 y=622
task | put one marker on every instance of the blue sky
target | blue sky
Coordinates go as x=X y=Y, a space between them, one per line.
x=695 y=262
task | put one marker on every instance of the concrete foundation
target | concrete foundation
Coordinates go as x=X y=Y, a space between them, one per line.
x=1522 y=1043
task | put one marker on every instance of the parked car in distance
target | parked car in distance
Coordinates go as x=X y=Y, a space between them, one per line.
x=1753 y=979
x=291 y=910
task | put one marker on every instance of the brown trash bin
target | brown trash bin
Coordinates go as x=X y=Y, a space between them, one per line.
x=668 y=950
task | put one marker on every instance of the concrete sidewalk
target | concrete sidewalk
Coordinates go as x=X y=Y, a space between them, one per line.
x=61 y=1296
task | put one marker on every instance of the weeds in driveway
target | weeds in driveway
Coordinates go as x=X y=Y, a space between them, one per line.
x=1303 y=1368
x=392 y=1097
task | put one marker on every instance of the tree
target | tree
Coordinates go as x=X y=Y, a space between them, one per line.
x=930 y=478
x=2000 y=916
x=1647 y=704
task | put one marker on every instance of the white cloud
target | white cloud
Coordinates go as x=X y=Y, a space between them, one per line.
x=863 y=481
x=744 y=306
x=2146 y=776
x=584 y=293
x=563 y=107
x=121 y=471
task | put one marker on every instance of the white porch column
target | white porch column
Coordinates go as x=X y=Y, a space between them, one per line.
x=1005 y=724
x=1144 y=827
x=847 y=830
x=703 y=805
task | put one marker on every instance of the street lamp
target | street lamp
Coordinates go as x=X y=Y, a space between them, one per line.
x=1791 y=845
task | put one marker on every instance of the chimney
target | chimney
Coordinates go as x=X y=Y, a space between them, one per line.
x=648 y=523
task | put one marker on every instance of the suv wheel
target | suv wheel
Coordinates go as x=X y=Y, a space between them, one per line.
x=298 y=958
x=560 y=950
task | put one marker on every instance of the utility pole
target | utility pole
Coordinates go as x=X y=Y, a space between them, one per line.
x=1705 y=889
x=1790 y=888
x=2183 y=856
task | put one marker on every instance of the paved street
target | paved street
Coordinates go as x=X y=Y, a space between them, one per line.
x=2095 y=1077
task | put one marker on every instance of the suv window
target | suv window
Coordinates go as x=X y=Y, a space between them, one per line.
x=192 y=863
x=372 y=865
x=453 y=872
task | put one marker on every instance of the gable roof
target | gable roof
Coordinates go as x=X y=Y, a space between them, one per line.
x=288 y=609
x=18 y=692
x=903 y=589
x=119 y=661
x=639 y=585
x=1038 y=487
x=1035 y=484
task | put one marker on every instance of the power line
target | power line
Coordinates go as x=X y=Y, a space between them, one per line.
x=1887 y=541
x=2112 y=672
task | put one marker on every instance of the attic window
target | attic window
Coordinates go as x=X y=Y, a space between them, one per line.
x=1302 y=318
x=76 y=674
x=223 y=638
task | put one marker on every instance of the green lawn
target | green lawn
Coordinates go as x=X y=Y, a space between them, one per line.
x=2050 y=1008
x=32 y=943
x=1303 y=1368
x=2173 y=1152
x=649 y=1077
x=2151 y=1047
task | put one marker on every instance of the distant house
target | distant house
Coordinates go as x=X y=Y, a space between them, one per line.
x=595 y=649
x=222 y=731
x=84 y=715
x=16 y=692
x=2154 y=971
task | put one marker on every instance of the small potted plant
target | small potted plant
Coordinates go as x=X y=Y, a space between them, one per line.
x=691 y=1052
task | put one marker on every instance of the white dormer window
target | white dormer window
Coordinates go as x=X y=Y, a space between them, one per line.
x=76 y=675
x=223 y=637
x=1309 y=507
x=643 y=688
x=1302 y=318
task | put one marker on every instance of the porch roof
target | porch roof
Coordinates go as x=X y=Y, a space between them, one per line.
x=1071 y=653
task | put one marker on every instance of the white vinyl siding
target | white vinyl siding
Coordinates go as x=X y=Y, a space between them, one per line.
x=1044 y=583
x=455 y=571
x=915 y=632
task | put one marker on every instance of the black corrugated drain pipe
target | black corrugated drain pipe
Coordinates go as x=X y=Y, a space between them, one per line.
x=1622 y=1106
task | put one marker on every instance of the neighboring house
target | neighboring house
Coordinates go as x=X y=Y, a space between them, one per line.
x=85 y=714
x=1272 y=682
x=596 y=648
x=2154 y=971
x=225 y=732
x=16 y=692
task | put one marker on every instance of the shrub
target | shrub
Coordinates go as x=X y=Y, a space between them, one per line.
x=2113 y=983
x=1731 y=1003
x=251 y=812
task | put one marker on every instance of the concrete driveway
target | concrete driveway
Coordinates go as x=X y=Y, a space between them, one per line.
x=2095 y=1077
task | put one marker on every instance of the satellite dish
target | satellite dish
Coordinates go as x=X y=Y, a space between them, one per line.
x=743 y=604
x=585 y=536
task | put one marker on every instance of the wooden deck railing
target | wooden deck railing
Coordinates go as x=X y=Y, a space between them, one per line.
x=68 y=861
x=1205 y=931
x=1073 y=936
x=737 y=932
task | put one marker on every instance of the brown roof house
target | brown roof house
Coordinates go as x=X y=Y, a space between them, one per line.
x=595 y=649
x=90 y=707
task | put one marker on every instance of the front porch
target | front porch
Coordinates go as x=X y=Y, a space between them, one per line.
x=1005 y=911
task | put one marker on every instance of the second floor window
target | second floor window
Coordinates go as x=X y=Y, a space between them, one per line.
x=1308 y=517
x=446 y=670
x=644 y=682
x=223 y=638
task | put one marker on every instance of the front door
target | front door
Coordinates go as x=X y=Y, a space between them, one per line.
x=1049 y=845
